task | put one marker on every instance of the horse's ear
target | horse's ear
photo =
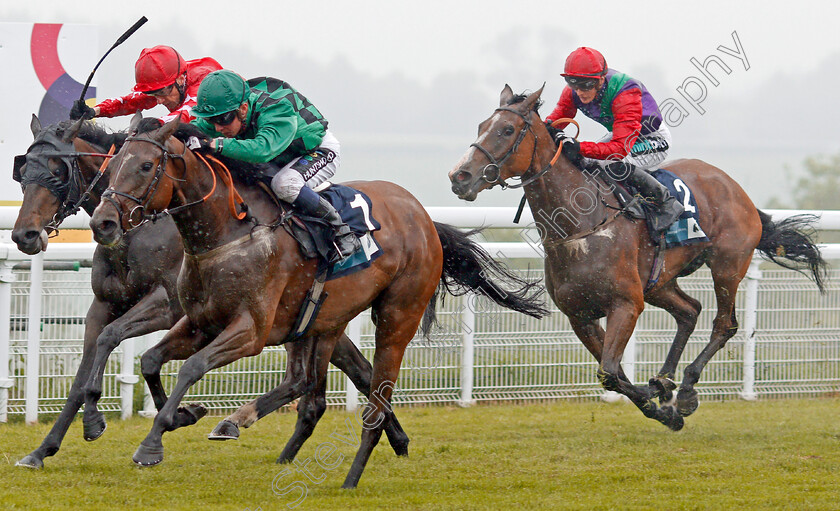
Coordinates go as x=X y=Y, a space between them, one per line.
x=71 y=132
x=163 y=133
x=507 y=95
x=35 y=125
x=532 y=99
x=135 y=122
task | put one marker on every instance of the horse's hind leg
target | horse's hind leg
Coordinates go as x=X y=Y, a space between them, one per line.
x=726 y=280
x=97 y=317
x=350 y=360
x=685 y=310
x=313 y=404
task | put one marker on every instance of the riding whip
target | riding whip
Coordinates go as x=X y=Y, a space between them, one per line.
x=121 y=40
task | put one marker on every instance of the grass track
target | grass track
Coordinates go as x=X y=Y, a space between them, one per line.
x=765 y=455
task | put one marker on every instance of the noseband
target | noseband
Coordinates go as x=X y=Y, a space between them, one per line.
x=147 y=195
x=492 y=172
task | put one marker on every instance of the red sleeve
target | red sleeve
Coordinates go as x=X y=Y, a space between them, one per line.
x=565 y=108
x=627 y=124
x=126 y=105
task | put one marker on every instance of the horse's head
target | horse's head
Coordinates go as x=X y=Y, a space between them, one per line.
x=506 y=146
x=45 y=174
x=142 y=180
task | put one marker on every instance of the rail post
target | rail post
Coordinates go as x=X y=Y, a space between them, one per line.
x=33 y=339
x=467 y=350
x=753 y=279
x=127 y=379
x=6 y=279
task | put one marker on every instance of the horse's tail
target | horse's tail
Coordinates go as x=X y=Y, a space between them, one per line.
x=468 y=267
x=790 y=243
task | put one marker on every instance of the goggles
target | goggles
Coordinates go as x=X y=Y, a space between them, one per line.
x=223 y=119
x=579 y=83
x=159 y=92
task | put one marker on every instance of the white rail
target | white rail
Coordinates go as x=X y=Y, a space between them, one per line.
x=465 y=217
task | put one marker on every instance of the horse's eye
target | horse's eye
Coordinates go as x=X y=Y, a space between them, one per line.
x=146 y=166
x=508 y=131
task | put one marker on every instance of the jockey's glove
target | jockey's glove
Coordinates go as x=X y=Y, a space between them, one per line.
x=571 y=150
x=80 y=110
x=200 y=144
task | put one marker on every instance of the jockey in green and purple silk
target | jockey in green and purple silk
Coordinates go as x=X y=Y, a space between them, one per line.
x=638 y=139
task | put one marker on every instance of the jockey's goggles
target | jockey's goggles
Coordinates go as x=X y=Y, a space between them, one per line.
x=223 y=119
x=159 y=92
x=576 y=82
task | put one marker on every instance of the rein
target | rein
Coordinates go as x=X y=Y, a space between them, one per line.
x=147 y=195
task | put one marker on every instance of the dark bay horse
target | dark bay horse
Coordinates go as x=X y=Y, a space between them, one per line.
x=242 y=284
x=134 y=282
x=597 y=261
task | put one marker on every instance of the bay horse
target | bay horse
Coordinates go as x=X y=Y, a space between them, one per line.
x=242 y=284
x=597 y=261
x=134 y=282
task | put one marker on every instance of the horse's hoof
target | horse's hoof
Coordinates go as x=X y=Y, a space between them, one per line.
x=687 y=401
x=284 y=460
x=672 y=418
x=225 y=430
x=189 y=415
x=30 y=461
x=663 y=388
x=146 y=456
x=94 y=426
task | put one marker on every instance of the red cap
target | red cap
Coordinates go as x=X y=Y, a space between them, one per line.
x=157 y=68
x=585 y=63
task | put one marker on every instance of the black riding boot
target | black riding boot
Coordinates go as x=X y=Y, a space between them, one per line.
x=669 y=207
x=345 y=241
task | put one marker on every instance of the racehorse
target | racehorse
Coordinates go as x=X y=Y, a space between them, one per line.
x=242 y=284
x=134 y=283
x=598 y=261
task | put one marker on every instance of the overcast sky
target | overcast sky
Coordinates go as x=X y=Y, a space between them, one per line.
x=412 y=80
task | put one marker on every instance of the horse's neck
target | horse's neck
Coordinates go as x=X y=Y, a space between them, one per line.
x=564 y=202
x=208 y=224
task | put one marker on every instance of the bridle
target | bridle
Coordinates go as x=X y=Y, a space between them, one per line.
x=492 y=172
x=143 y=201
x=69 y=193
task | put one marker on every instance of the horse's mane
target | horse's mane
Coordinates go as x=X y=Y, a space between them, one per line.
x=94 y=134
x=519 y=98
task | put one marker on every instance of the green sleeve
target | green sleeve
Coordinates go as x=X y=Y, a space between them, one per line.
x=276 y=129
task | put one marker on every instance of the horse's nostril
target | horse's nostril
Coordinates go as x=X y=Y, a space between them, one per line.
x=462 y=176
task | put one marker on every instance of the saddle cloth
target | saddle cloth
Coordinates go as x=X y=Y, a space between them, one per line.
x=686 y=230
x=315 y=236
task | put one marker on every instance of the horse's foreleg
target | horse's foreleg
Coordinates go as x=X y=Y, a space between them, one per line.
x=239 y=339
x=181 y=342
x=150 y=314
x=620 y=324
x=350 y=360
x=97 y=317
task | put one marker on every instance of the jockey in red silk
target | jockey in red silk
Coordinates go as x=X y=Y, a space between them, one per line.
x=163 y=78
x=638 y=139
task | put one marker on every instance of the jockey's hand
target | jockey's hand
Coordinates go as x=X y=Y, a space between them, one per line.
x=80 y=110
x=571 y=150
x=202 y=145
